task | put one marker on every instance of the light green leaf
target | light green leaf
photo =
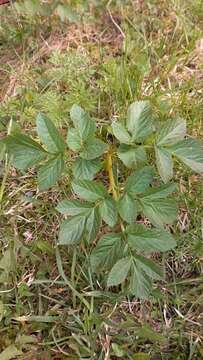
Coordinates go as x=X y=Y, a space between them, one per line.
x=71 y=230
x=147 y=240
x=121 y=133
x=93 y=224
x=25 y=151
x=10 y=353
x=132 y=156
x=50 y=172
x=119 y=271
x=49 y=134
x=127 y=208
x=107 y=251
x=139 y=180
x=108 y=210
x=164 y=163
x=171 y=132
x=149 y=267
x=89 y=190
x=160 y=192
x=74 y=207
x=82 y=122
x=93 y=149
x=190 y=152
x=160 y=211
x=139 y=120
x=86 y=169
x=74 y=141
x=140 y=284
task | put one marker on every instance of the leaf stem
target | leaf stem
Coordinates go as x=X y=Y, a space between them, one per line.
x=112 y=184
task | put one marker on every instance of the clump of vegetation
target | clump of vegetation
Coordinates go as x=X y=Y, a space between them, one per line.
x=124 y=250
x=81 y=195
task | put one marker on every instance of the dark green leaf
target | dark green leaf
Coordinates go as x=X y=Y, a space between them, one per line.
x=164 y=163
x=74 y=141
x=25 y=151
x=89 y=190
x=190 y=152
x=149 y=267
x=160 y=192
x=160 y=211
x=140 y=284
x=93 y=149
x=132 y=156
x=108 y=210
x=149 y=240
x=86 y=169
x=139 y=181
x=127 y=208
x=50 y=172
x=171 y=132
x=121 y=133
x=139 y=120
x=119 y=271
x=107 y=251
x=74 y=207
x=82 y=122
x=93 y=224
x=49 y=134
x=71 y=230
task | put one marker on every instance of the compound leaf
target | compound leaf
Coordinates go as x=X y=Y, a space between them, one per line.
x=50 y=172
x=132 y=156
x=89 y=190
x=82 y=122
x=25 y=151
x=139 y=120
x=148 y=240
x=160 y=192
x=140 y=284
x=127 y=208
x=108 y=210
x=149 y=267
x=86 y=169
x=71 y=230
x=190 y=152
x=73 y=207
x=164 y=163
x=93 y=148
x=139 y=180
x=93 y=224
x=74 y=141
x=160 y=211
x=121 y=133
x=107 y=251
x=171 y=132
x=119 y=271
x=49 y=134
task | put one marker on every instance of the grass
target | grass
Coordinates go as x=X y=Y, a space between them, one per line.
x=52 y=306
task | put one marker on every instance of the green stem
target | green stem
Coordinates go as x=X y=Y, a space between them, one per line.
x=112 y=186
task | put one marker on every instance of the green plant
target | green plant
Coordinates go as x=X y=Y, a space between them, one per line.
x=125 y=198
